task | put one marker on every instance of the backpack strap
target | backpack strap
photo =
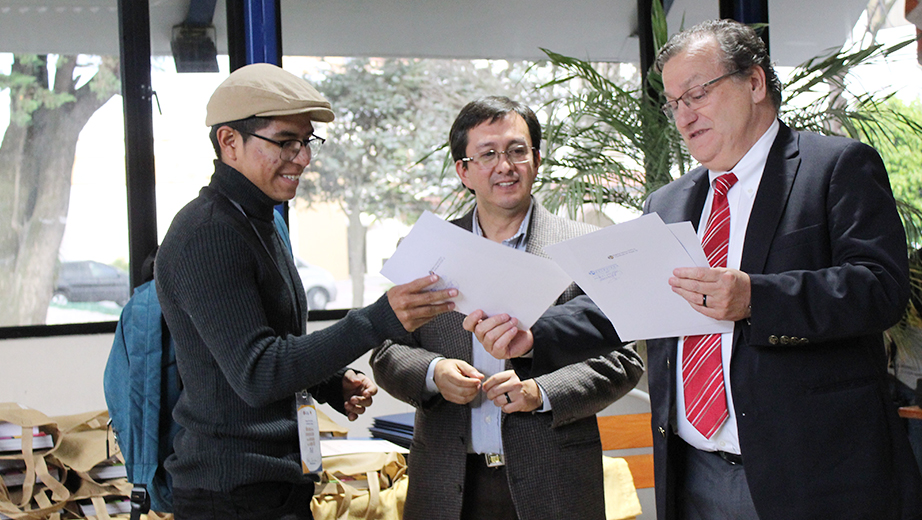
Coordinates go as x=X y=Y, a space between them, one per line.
x=140 y=501
x=282 y=229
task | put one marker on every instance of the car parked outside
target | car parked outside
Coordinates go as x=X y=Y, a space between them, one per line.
x=89 y=281
x=319 y=285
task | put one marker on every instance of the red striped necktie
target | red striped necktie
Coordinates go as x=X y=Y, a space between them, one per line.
x=702 y=369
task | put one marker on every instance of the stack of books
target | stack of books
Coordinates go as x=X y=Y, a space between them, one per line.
x=114 y=506
x=11 y=437
x=13 y=473
x=110 y=469
x=397 y=428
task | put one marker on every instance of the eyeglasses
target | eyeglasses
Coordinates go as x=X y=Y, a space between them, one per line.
x=290 y=148
x=517 y=154
x=694 y=98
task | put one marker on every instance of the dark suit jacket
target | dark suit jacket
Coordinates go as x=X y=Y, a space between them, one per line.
x=826 y=255
x=553 y=459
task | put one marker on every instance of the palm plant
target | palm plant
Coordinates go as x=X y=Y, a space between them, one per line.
x=609 y=143
x=606 y=142
x=820 y=100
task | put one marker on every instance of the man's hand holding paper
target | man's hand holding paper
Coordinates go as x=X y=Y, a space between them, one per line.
x=626 y=269
x=418 y=301
x=727 y=292
x=499 y=335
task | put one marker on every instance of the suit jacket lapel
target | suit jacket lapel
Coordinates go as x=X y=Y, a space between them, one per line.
x=537 y=231
x=698 y=193
x=463 y=346
x=777 y=179
x=690 y=202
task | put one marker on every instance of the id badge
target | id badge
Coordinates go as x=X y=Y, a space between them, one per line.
x=308 y=433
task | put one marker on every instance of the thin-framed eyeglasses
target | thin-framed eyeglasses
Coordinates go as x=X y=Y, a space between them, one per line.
x=290 y=148
x=694 y=98
x=517 y=154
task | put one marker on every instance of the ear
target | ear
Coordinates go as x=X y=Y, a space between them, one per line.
x=757 y=85
x=463 y=172
x=228 y=141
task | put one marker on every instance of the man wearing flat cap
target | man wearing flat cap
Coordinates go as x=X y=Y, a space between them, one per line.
x=234 y=304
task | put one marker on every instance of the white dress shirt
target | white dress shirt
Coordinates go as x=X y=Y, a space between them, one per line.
x=740 y=199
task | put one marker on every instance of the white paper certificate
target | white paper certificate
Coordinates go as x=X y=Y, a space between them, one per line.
x=625 y=269
x=489 y=276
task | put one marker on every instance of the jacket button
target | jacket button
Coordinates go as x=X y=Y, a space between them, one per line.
x=785 y=340
x=773 y=339
x=804 y=341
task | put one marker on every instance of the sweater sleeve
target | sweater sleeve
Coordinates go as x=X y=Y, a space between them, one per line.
x=217 y=291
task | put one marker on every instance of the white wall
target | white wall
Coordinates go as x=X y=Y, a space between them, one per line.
x=63 y=376
x=59 y=375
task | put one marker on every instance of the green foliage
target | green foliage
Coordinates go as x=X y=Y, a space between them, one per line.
x=28 y=93
x=818 y=97
x=658 y=22
x=901 y=153
x=607 y=140
x=386 y=154
x=367 y=164
x=609 y=143
x=105 y=81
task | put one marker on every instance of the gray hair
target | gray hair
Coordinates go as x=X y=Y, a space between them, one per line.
x=740 y=47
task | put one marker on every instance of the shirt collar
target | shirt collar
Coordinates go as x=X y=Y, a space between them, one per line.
x=236 y=187
x=749 y=169
x=520 y=238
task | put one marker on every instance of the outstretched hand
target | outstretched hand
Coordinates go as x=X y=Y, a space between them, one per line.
x=499 y=334
x=358 y=390
x=415 y=303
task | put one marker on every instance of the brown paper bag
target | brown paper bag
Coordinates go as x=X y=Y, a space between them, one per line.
x=361 y=486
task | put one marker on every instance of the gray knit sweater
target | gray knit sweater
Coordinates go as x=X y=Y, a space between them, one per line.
x=236 y=308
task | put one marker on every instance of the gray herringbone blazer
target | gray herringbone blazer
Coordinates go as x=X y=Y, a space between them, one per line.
x=553 y=459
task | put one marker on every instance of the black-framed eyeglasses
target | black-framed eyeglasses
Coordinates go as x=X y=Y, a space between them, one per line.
x=517 y=154
x=290 y=148
x=694 y=98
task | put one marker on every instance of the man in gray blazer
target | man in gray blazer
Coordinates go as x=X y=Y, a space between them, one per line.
x=492 y=439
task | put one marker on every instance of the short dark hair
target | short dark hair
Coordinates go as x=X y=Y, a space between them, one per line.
x=740 y=46
x=490 y=108
x=244 y=126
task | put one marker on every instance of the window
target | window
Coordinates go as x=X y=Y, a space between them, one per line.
x=63 y=176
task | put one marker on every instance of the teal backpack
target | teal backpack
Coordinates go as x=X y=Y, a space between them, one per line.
x=141 y=384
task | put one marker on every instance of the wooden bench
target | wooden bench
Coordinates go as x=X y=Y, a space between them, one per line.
x=630 y=431
x=911 y=412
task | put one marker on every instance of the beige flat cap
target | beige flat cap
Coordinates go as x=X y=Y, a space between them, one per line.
x=263 y=89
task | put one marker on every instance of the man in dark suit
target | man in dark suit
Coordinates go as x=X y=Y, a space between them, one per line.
x=792 y=420
x=816 y=270
x=493 y=440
